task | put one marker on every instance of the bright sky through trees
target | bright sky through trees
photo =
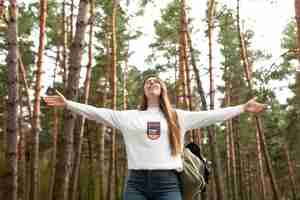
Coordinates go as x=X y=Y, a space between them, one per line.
x=266 y=18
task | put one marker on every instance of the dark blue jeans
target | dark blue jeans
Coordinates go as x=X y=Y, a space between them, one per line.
x=152 y=185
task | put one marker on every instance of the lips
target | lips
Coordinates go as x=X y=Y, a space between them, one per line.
x=152 y=87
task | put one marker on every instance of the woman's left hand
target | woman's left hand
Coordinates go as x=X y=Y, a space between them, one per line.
x=253 y=106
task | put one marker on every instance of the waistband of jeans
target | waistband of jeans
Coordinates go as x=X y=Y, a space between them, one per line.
x=152 y=170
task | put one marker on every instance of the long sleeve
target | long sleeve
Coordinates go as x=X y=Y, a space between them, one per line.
x=197 y=119
x=102 y=115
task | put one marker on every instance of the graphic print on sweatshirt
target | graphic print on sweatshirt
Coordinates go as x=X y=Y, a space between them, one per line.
x=153 y=130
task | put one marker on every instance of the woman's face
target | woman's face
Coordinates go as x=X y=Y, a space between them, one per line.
x=152 y=87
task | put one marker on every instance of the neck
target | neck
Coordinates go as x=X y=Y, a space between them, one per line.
x=153 y=102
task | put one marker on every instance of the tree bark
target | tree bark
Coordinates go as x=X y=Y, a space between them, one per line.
x=260 y=166
x=112 y=172
x=12 y=106
x=21 y=148
x=35 y=176
x=182 y=100
x=22 y=72
x=78 y=132
x=100 y=132
x=297 y=88
x=65 y=145
x=197 y=75
x=64 y=39
x=290 y=170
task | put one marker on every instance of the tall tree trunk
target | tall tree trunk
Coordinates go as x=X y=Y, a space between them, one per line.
x=123 y=164
x=64 y=39
x=260 y=166
x=291 y=171
x=235 y=122
x=297 y=97
x=78 y=132
x=22 y=72
x=102 y=97
x=65 y=145
x=197 y=75
x=54 y=133
x=90 y=154
x=231 y=158
x=71 y=22
x=182 y=100
x=12 y=106
x=112 y=172
x=34 y=189
x=27 y=140
x=100 y=132
x=23 y=130
x=211 y=7
x=228 y=160
x=21 y=152
x=212 y=135
x=211 y=132
x=125 y=88
x=54 y=152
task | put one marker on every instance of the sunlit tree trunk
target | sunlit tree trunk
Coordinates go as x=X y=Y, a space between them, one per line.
x=182 y=100
x=260 y=166
x=290 y=170
x=35 y=176
x=23 y=78
x=12 y=106
x=65 y=145
x=112 y=171
x=27 y=140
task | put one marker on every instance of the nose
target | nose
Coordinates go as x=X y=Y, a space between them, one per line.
x=151 y=82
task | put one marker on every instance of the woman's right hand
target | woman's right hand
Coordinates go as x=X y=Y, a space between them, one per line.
x=56 y=100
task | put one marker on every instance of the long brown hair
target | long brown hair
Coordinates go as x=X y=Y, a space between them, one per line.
x=170 y=115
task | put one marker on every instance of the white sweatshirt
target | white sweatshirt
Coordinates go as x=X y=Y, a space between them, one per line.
x=146 y=132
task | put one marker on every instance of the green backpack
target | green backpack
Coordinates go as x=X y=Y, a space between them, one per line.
x=195 y=174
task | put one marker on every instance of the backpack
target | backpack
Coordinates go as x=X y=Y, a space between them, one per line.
x=195 y=174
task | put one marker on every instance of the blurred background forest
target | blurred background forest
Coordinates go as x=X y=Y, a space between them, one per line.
x=83 y=49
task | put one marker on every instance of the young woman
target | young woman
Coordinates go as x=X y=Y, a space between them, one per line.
x=153 y=137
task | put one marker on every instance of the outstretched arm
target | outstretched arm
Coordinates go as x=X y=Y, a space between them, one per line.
x=197 y=119
x=102 y=115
